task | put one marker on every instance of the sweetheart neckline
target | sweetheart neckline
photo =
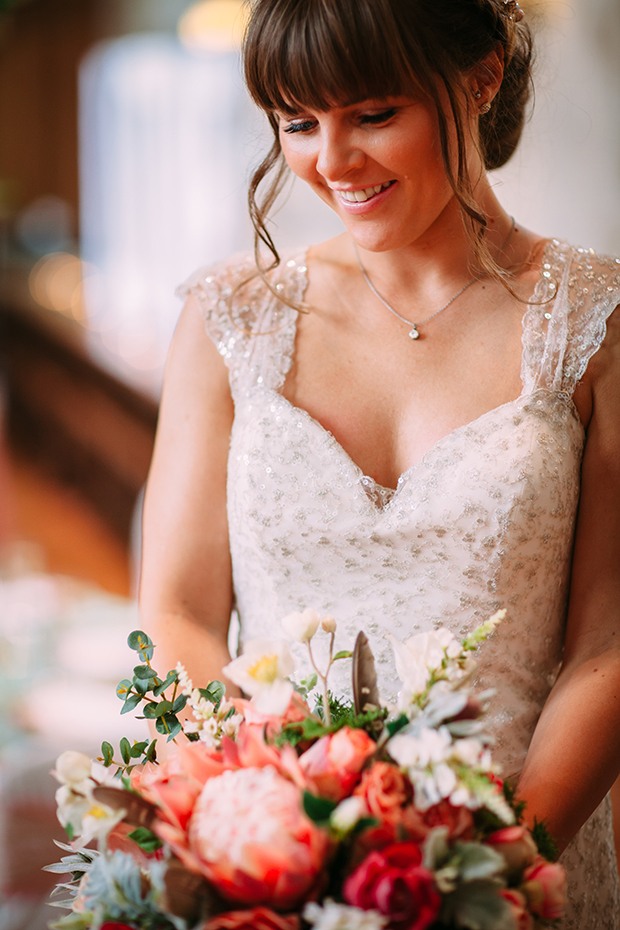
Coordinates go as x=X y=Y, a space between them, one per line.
x=302 y=268
x=404 y=477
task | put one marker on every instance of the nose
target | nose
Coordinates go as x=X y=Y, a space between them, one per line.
x=338 y=154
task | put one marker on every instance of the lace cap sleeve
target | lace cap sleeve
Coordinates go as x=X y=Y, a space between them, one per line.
x=253 y=330
x=566 y=322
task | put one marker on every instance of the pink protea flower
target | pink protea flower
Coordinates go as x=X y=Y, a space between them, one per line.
x=250 y=837
x=174 y=785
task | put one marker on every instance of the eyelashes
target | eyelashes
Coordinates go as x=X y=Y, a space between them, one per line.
x=373 y=119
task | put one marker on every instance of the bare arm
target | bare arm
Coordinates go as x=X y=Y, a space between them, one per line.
x=186 y=582
x=574 y=757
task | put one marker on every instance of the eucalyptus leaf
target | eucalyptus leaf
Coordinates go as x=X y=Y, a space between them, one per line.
x=150 y=710
x=125 y=749
x=164 y=707
x=478 y=861
x=107 y=751
x=179 y=704
x=170 y=679
x=138 y=748
x=144 y=672
x=138 y=640
x=151 y=752
x=168 y=725
x=123 y=688
x=132 y=701
x=214 y=692
x=478 y=906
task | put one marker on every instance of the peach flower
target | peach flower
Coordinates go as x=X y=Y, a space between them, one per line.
x=333 y=764
x=174 y=785
x=258 y=918
x=249 y=836
x=518 y=908
x=386 y=791
x=544 y=886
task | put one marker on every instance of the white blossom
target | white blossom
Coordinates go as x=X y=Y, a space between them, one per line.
x=344 y=817
x=332 y=916
x=262 y=672
x=301 y=626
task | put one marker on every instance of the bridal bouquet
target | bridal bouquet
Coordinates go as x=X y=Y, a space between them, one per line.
x=293 y=809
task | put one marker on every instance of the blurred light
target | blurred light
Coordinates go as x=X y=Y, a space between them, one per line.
x=213 y=25
x=45 y=225
x=56 y=283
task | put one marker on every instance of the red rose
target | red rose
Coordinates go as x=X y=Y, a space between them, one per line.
x=112 y=925
x=394 y=883
x=257 y=918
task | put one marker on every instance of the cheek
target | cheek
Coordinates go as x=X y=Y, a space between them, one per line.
x=299 y=157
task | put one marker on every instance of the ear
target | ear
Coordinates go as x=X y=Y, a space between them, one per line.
x=485 y=77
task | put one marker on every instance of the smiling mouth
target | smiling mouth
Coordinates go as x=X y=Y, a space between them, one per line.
x=364 y=193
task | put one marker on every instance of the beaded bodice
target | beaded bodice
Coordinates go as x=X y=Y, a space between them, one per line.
x=484 y=520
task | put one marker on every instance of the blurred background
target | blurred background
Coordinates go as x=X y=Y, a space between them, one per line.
x=126 y=141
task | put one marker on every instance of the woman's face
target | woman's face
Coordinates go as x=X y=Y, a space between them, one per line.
x=377 y=164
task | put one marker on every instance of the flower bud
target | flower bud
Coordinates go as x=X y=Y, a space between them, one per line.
x=302 y=626
x=328 y=624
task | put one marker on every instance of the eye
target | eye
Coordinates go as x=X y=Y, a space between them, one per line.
x=377 y=118
x=304 y=125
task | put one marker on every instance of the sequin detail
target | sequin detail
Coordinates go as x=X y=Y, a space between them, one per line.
x=484 y=520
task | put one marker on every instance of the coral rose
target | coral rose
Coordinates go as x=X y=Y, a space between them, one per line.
x=544 y=886
x=394 y=883
x=386 y=791
x=332 y=766
x=458 y=820
x=250 y=837
x=518 y=908
x=516 y=845
x=257 y=918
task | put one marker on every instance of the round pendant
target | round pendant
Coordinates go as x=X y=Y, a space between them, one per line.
x=414 y=334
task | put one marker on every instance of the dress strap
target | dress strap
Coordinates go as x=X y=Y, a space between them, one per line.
x=253 y=330
x=566 y=321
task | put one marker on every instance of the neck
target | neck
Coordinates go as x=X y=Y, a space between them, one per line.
x=441 y=257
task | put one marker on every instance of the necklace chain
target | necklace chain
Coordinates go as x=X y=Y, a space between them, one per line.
x=414 y=332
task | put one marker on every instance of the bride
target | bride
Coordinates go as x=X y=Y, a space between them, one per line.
x=397 y=426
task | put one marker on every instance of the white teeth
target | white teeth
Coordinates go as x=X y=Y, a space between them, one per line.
x=364 y=194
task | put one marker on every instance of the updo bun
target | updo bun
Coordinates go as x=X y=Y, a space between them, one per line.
x=319 y=53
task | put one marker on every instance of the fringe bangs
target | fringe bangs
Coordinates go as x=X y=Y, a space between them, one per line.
x=318 y=54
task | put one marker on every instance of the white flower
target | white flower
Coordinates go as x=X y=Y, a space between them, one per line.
x=328 y=623
x=347 y=814
x=262 y=672
x=332 y=916
x=85 y=817
x=445 y=779
x=468 y=751
x=429 y=746
x=73 y=768
x=302 y=626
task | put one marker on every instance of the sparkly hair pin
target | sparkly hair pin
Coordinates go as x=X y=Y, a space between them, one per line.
x=512 y=10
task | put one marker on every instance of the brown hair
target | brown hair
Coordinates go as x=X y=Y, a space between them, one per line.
x=321 y=53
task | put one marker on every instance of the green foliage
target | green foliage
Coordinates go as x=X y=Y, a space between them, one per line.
x=145 y=839
x=343 y=715
x=478 y=904
x=318 y=809
x=343 y=654
x=543 y=840
x=116 y=890
x=214 y=692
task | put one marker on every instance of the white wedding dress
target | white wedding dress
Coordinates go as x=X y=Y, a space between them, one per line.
x=484 y=520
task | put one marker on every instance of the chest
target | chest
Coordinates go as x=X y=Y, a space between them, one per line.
x=387 y=399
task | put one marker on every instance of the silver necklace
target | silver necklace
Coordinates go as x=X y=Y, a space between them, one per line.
x=414 y=332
